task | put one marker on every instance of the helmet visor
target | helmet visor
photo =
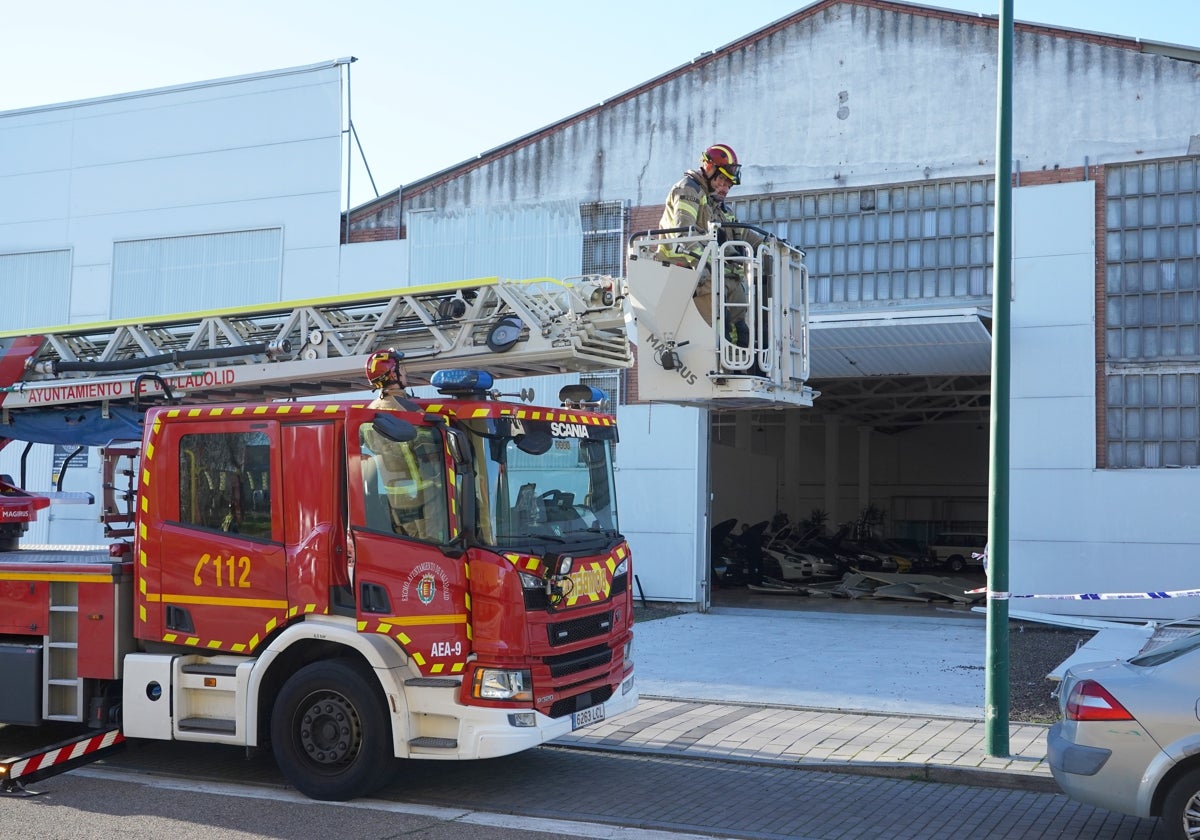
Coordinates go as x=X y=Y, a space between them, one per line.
x=732 y=171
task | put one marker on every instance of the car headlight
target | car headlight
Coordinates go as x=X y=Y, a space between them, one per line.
x=497 y=684
x=622 y=569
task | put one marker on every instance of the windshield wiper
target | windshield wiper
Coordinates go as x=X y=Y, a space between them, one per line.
x=516 y=537
x=594 y=530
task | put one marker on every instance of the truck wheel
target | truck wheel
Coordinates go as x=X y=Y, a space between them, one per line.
x=957 y=564
x=330 y=733
x=1181 y=809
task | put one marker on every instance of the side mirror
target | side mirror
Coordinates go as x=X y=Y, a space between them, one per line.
x=460 y=447
x=395 y=428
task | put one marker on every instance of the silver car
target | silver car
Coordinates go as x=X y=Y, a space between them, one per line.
x=1129 y=738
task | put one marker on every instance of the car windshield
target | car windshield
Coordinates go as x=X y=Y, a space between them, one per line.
x=1169 y=651
x=544 y=482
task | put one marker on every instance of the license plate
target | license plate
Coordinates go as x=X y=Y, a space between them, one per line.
x=587 y=717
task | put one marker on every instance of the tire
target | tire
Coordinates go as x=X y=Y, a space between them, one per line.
x=1181 y=808
x=956 y=563
x=330 y=732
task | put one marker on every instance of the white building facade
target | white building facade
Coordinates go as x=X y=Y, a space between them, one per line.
x=867 y=133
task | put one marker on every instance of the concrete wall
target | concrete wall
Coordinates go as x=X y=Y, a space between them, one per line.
x=252 y=152
x=844 y=95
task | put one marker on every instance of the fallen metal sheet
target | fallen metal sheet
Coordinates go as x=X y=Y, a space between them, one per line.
x=900 y=591
x=854 y=585
x=1108 y=645
x=920 y=587
x=1076 y=621
x=825 y=589
x=951 y=591
x=885 y=577
x=776 y=587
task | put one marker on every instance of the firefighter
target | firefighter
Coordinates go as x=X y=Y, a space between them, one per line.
x=385 y=372
x=693 y=203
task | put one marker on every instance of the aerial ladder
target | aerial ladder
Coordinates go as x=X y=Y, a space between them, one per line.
x=303 y=348
x=91 y=384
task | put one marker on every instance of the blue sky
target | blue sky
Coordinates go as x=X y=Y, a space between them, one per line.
x=436 y=83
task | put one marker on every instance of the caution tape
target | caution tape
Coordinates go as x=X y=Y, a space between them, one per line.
x=1094 y=596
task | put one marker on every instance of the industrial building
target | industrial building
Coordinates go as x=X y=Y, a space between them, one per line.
x=866 y=129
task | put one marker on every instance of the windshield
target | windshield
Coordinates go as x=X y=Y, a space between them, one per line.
x=544 y=481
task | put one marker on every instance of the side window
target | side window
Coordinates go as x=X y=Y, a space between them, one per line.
x=225 y=482
x=404 y=484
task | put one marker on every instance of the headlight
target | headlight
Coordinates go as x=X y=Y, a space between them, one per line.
x=529 y=581
x=621 y=569
x=495 y=684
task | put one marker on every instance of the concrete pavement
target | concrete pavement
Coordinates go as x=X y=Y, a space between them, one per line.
x=881 y=691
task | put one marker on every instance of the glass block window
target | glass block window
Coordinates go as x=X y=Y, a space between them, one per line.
x=604 y=225
x=923 y=241
x=1151 y=324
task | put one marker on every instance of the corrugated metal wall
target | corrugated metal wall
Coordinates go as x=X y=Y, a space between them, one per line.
x=188 y=273
x=37 y=288
x=541 y=240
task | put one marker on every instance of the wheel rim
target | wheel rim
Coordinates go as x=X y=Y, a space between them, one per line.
x=328 y=730
x=1191 y=816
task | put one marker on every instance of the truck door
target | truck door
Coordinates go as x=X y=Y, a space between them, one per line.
x=220 y=547
x=409 y=580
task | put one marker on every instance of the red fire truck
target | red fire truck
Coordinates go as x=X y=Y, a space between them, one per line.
x=348 y=581
x=352 y=581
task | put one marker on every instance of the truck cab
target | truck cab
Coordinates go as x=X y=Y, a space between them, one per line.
x=461 y=557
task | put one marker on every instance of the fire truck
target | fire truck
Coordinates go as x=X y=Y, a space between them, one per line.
x=348 y=581
x=353 y=581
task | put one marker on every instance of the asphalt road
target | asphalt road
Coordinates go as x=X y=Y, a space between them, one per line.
x=204 y=791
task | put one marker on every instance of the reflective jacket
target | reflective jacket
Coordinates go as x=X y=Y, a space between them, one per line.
x=688 y=205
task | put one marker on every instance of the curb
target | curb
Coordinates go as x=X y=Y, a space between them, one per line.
x=938 y=773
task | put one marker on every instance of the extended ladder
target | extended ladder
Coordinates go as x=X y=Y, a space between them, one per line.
x=313 y=347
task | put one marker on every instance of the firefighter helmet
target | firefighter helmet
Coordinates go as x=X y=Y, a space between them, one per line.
x=724 y=160
x=383 y=368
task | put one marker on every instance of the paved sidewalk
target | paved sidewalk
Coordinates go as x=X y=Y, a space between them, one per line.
x=893 y=693
x=901 y=746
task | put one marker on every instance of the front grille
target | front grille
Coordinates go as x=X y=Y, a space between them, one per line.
x=535 y=599
x=578 y=629
x=579 y=702
x=583 y=660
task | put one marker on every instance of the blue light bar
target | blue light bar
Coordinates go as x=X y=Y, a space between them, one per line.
x=581 y=395
x=461 y=381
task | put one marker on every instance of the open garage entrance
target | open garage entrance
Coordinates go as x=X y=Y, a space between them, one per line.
x=894 y=449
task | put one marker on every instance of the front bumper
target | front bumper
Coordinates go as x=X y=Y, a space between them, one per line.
x=471 y=732
x=500 y=737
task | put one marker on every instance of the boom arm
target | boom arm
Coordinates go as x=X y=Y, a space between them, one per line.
x=313 y=347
